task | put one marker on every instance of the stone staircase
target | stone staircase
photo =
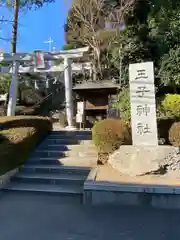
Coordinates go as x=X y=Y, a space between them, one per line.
x=59 y=166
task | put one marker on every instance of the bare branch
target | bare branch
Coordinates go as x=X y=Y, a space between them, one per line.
x=5 y=39
x=89 y=16
x=6 y=21
x=125 y=7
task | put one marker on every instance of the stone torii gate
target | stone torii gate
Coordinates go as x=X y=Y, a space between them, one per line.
x=39 y=63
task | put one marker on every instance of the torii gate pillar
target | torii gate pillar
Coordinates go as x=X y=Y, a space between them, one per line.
x=68 y=92
x=11 y=108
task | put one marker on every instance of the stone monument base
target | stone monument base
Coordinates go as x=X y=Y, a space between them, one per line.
x=142 y=160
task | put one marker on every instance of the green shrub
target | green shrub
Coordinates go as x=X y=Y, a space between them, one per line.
x=174 y=134
x=123 y=104
x=30 y=97
x=171 y=105
x=160 y=111
x=167 y=114
x=108 y=135
x=18 y=138
x=5 y=80
x=164 y=125
x=69 y=46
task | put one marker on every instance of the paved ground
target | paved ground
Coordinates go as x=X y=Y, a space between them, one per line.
x=47 y=218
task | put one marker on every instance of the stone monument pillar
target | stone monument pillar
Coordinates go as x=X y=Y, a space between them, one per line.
x=143 y=104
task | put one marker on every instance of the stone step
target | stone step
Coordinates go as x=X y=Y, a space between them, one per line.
x=44 y=188
x=70 y=133
x=66 y=161
x=65 y=141
x=61 y=154
x=39 y=168
x=48 y=153
x=49 y=178
x=77 y=137
x=39 y=197
x=62 y=147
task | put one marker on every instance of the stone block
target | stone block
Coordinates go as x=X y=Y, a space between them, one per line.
x=120 y=198
x=141 y=160
x=170 y=201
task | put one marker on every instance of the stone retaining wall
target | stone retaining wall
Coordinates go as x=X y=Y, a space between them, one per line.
x=4 y=179
x=163 y=201
x=107 y=192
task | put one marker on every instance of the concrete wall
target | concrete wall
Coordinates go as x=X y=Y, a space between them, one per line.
x=166 y=201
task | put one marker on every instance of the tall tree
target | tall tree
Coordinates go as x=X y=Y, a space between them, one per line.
x=16 y=5
x=164 y=26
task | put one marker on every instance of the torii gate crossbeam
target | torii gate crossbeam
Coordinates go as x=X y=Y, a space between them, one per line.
x=67 y=55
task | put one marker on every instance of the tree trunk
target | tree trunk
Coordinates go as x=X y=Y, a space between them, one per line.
x=15 y=26
x=94 y=73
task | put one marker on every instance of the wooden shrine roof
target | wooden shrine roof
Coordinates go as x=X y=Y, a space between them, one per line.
x=106 y=84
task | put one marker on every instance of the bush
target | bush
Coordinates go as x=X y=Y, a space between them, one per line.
x=174 y=134
x=69 y=46
x=164 y=125
x=123 y=104
x=171 y=105
x=30 y=97
x=167 y=114
x=108 y=135
x=18 y=138
x=5 y=80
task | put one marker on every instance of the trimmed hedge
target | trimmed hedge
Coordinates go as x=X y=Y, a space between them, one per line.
x=171 y=105
x=108 y=135
x=164 y=125
x=19 y=137
x=174 y=134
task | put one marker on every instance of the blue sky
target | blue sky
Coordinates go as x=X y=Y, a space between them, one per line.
x=36 y=26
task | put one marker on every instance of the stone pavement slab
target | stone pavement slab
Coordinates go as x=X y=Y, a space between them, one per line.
x=37 y=217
